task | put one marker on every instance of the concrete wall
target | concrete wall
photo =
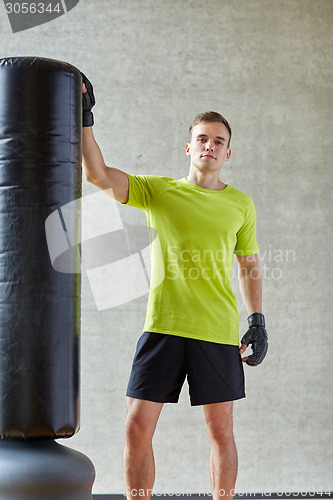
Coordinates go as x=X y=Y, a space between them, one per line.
x=267 y=66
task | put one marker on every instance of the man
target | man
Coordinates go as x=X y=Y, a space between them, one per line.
x=191 y=327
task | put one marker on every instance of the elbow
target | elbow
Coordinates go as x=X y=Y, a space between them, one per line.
x=96 y=180
x=89 y=179
x=250 y=271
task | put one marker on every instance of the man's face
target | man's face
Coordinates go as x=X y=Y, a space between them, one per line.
x=208 y=147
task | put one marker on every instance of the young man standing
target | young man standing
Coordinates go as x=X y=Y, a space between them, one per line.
x=191 y=327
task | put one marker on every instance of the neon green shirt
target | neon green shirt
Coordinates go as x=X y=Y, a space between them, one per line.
x=198 y=231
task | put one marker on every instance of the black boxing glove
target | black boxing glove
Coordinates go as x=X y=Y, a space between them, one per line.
x=257 y=336
x=88 y=101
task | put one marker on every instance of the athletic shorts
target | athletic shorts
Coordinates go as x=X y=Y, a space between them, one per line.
x=162 y=362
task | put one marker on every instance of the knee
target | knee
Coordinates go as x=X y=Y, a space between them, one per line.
x=136 y=432
x=220 y=434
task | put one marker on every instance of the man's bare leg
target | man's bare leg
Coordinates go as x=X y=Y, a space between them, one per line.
x=139 y=464
x=223 y=459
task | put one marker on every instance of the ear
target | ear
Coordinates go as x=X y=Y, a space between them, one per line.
x=187 y=149
x=228 y=154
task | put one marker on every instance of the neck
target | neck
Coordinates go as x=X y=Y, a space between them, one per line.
x=207 y=180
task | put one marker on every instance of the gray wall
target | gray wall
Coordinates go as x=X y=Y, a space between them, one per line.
x=267 y=66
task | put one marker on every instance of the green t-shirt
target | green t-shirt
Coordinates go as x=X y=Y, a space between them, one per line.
x=194 y=233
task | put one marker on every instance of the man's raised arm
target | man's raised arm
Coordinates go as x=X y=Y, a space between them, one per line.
x=95 y=170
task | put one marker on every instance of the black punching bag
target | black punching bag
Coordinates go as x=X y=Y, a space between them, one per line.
x=40 y=171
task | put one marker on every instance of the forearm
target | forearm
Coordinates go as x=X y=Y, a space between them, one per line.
x=250 y=285
x=93 y=162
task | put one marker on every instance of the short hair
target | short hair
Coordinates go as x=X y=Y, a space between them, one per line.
x=210 y=116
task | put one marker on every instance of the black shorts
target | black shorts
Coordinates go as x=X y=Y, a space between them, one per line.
x=162 y=362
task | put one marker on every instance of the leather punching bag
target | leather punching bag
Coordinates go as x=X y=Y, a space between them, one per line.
x=40 y=171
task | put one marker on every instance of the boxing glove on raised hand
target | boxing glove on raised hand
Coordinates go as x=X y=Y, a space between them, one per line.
x=88 y=101
x=257 y=337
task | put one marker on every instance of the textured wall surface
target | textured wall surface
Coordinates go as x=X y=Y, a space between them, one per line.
x=267 y=66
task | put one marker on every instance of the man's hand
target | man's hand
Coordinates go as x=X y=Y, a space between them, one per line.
x=257 y=336
x=88 y=101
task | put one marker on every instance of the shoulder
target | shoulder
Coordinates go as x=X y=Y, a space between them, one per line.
x=241 y=197
x=154 y=183
x=161 y=181
x=153 y=179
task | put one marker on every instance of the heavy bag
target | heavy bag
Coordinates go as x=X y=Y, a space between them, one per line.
x=40 y=171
